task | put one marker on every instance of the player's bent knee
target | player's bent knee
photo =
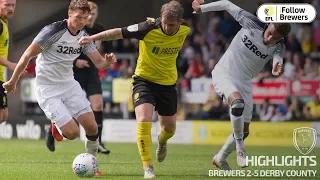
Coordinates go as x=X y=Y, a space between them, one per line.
x=169 y=129
x=71 y=135
x=237 y=107
x=92 y=130
x=97 y=106
x=144 y=118
x=70 y=130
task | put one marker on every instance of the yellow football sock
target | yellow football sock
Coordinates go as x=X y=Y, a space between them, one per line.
x=164 y=136
x=144 y=142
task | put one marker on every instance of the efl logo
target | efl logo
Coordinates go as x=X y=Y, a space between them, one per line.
x=286 y=13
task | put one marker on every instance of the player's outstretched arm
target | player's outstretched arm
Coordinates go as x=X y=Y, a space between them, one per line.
x=32 y=51
x=7 y=63
x=100 y=62
x=136 y=31
x=244 y=18
x=222 y=5
x=111 y=34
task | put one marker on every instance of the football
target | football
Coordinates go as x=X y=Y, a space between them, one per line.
x=85 y=165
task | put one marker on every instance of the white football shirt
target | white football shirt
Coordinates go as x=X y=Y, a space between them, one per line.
x=60 y=48
x=247 y=54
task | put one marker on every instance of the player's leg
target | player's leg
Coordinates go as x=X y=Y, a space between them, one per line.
x=60 y=116
x=236 y=104
x=50 y=142
x=86 y=118
x=80 y=108
x=228 y=90
x=3 y=105
x=97 y=107
x=144 y=105
x=168 y=128
x=94 y=93
x=230 y=145
x=3 y=115
x=166 y=105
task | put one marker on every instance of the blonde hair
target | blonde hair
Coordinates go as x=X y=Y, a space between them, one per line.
x=172 y=10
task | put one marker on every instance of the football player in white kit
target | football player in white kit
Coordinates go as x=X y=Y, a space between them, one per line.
x=252 y=47
x=59 y=95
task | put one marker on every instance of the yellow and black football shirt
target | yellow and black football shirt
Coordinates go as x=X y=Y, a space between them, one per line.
x=158 y=52
x=4 y=45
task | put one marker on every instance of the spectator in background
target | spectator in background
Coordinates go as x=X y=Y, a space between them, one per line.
x=210 y=66
x=292 y=43
x=214 y=36
x=211 y=105
x=283 y=108
x=294 y=111
x=290 y=110
x=278 y=116
x=216 y=51
x=289 y=67
x=188 y=51
x=310 y=68
x=127 y=46
x=125 y=70
x=213 y=23
x=316 y=33
x=204 y=48
x=228 y=26
x=267 y=110
x=196 y=68
x=297 y=61
x=312 y=109
x=305 y=33
x=113 y=71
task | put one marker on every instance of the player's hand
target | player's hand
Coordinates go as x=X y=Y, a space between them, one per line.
x=277 y=69
x=196 y=6
x=13 y=66
x=80 y=63
x=110 y=58
x=85 y=40
x=9 y=87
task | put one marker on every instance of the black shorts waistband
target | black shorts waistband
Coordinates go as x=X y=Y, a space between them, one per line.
x=138 y=78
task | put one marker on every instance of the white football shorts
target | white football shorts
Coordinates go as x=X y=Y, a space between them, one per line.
x=225 y=85
x=62 y=102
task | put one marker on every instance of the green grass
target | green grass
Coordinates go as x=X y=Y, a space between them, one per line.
x=21 y=159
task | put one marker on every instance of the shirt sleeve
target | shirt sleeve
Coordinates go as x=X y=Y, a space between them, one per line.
x=279 y=53
x=245 y=19
x=89 y=48
x=47 y=36
x=138 y=31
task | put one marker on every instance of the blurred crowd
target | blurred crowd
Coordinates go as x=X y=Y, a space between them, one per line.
x=210 y=36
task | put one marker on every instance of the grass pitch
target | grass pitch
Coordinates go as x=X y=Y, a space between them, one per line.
x=24 y=160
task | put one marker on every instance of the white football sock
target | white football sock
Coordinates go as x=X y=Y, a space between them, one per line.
x=92 y=147
x=237 y=126
x=228 y=147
